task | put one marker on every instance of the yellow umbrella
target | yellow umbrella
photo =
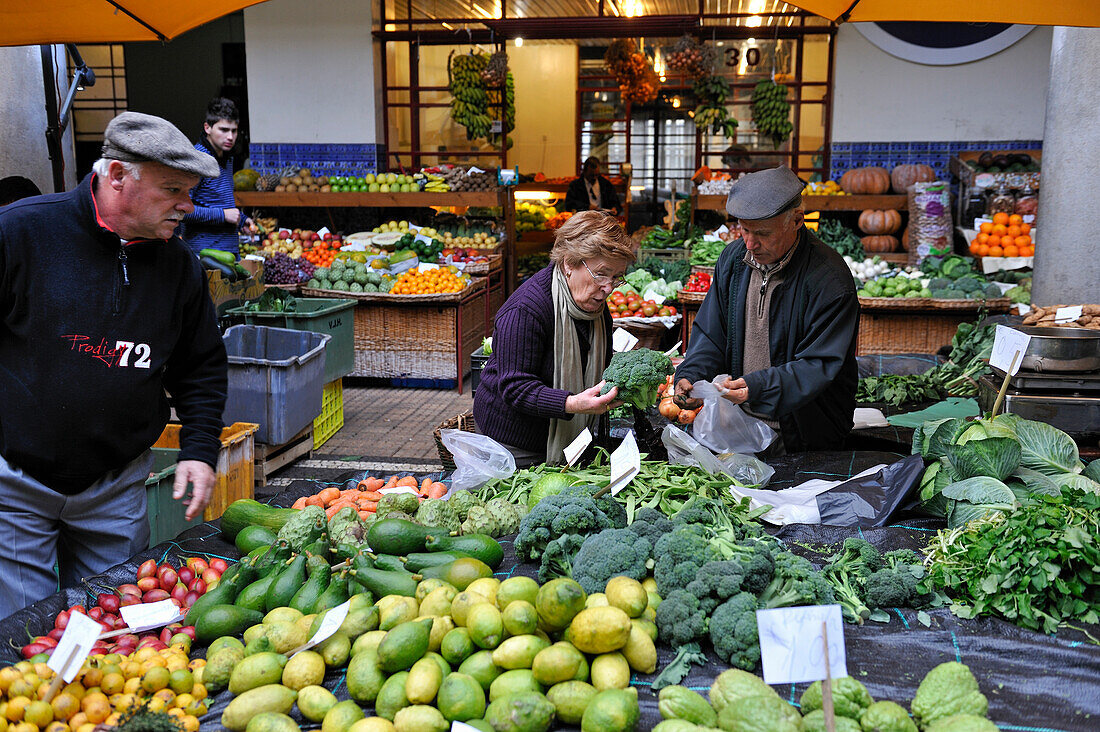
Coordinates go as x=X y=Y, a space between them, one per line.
x=1028 y=12
x=33 y=22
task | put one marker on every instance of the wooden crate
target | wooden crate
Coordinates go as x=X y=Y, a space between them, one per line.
x=270 y=458
x=419 y=340
x=234 y=472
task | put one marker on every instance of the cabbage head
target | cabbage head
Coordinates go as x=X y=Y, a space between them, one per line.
x=996 y=457
x=977 y=497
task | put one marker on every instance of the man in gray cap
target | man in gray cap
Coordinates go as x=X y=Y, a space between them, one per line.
x=102 y=310
x=781 y=318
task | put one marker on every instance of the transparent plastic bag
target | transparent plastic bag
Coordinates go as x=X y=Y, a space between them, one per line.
x=683 y=449
x=478 y=459
x=723 y=426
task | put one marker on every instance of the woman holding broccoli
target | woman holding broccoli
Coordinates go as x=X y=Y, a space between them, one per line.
x=552 y=341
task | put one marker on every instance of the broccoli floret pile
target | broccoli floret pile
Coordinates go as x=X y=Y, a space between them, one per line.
x=733 y=631
x=611 y=553
x=681 y=618
x=651 y=524
x=678 y=556
x=573 y=511
x=716 y=582
x=557 y=559
x=863 y=579
x=897 y=584
x=796 y=582
x=637 y=373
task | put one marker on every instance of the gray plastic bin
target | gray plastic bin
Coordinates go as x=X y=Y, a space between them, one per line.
x=276 y=377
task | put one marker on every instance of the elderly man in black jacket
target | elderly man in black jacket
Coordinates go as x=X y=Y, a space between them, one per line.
x=781 y=318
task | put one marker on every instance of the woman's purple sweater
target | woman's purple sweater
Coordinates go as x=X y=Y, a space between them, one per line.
x=514 y=402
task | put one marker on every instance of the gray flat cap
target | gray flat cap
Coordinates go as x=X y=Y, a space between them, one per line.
x=137 y=138
x=764 y=194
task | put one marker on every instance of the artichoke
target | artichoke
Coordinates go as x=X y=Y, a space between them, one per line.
x=438 y=513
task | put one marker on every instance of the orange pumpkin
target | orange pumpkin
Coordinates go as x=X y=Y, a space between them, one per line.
x=875 y=221
x=880 y=244
x=867 y=181
x=906 y=175
x=905 y=239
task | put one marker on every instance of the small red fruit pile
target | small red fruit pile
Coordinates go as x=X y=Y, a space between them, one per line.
x=698 y=282
x=154 y=583
x=633 y=306
x=463 y=254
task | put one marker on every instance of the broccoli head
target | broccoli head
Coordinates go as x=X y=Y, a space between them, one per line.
x=733 y=631
x=898 y=583
x=680 y=619
x=796 y=582
x=678 y=556
x=557 y=559
x=848 y=572
x=611 y=553
x=637 y=373
x=650 y=523
x=757 y=564
x=568 y=512
x=715 y=582
x=946 y=690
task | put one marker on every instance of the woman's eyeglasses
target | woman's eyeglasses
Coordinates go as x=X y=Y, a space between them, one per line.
x=604 y=280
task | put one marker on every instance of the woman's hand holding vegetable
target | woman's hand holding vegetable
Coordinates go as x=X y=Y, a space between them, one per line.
x=590 y=401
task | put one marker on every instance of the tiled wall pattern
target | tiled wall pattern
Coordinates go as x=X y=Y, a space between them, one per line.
x=321 y=159
x=848 y=155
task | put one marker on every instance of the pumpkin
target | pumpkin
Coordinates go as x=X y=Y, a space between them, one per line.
x=875 y=221
x=905 y=239
x=872 y=180
x=907 y=174
x=880 y=244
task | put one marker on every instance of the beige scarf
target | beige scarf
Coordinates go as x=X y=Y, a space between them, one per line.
x=569 y=373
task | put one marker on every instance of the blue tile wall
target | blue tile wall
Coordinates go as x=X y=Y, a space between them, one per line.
x=848 y=155
x=321 y=159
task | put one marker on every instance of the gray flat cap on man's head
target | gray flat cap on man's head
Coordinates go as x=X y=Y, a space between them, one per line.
x=134 y=137
x=764 y=194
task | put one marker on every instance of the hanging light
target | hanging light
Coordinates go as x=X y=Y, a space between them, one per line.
x=676 y=103
x=632 y=8
x=519 y=41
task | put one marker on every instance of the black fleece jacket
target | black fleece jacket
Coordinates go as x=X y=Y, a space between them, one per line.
x=92 y=333
x=811 y=387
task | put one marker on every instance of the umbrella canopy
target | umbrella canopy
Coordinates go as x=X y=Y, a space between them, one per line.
x=32 y=22
x=1028 y=12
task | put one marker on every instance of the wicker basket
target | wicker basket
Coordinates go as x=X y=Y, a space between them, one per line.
x=649 y=335
x=476 y=283
x=464 y=422
x=708 y=268
x=995 y=305
x=691 y=297
x=496 y=261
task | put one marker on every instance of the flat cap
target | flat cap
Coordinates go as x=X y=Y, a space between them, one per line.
x=137 y=138
x=764 y=194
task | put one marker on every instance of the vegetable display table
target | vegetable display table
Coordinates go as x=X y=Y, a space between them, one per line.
x=417 y=336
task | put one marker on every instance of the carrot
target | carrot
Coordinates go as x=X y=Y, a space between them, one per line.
x=350 y=493
x=391 y=483
x=337 y=506
x=408 y=482
x=437 y=490
x=365 y=514
x=370 y=483
x=315 y=501
x=371 y=495
x=427 y=484
x=332 y=510
x=329 y=494
x=371 y=506
x=300 y=503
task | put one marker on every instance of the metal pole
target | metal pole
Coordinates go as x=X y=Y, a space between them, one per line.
x=53 y=129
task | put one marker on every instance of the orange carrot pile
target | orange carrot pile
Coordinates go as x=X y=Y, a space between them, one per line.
x=364 y=497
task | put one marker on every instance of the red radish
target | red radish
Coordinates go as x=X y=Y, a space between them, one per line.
x=198 y=585
x=190 y=598
x=156 y=595
x=148 y=568
x=148 y=583
x=186 y=574
x=219 y=565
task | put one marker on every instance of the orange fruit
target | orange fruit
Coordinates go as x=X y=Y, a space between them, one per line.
x=1030 y=252
x=1015 y=219
x=996 y=252
x=1012 y=251
x=1000 y=218
x=986 y=228
x=974 y=248
x=999 y=229
x=1025 y=228
x=983 y=251
x=982 y=238
x=1013 y=230
x=1022 y=241
x=994 y=240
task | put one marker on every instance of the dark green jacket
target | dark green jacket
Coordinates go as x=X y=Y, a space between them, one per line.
x=810 y=388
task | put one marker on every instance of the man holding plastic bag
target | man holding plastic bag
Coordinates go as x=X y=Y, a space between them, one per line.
x=781 y=317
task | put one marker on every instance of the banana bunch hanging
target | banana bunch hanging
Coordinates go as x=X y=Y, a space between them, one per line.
x=470 y=99
x=771 y=111
x=711 y=113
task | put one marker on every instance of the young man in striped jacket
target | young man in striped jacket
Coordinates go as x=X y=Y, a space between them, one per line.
x=216 y=220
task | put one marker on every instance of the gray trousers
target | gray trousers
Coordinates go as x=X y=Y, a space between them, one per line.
x=84 y=534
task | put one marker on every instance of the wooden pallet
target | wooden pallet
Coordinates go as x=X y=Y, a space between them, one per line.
x=270 y=458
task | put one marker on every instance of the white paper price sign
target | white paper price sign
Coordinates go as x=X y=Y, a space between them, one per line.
x=474 y=169
x=657 y=298
x=334 y=618
x=322 y=231
x=791 y=646
x=457 y=726
x=625 y=463
x=507 y=177
x=1068 y=315
x=623 y=340
x=151 y=615
x=1009 y=347
x=575 y=448
x=398 y=489
x=414 y=228
x=426 y=266
x=76 y=643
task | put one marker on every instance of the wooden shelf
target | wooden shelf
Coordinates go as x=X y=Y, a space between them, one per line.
x=369 y=200
x=825 y=203
x=537 y=236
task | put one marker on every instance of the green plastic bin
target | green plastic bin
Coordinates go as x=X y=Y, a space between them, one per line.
x=333 y=317
x=166 y=515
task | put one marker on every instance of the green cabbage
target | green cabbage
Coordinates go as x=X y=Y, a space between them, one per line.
x=977 y=497
x=1046 y=449
x=996 y=457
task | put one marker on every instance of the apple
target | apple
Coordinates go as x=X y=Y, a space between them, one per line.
x=384 y=188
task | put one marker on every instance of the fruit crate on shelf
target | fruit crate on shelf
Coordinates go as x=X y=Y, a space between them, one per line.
x=233 y=472
x=331 y=419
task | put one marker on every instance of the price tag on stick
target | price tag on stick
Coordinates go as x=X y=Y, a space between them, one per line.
x=576 y=448
x=1007 y=344
x=148 y=616
x=626 y=463
x=334 y=618
x=1068 y=315
x=792 y=643
x=623 y=340
x=76 y=643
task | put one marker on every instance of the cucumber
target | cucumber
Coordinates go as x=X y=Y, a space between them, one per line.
x=479 y=546
x=421 y=560
x=245 y=511
x=226 y=271
x=219 y=256
x=397 y=536
x=254 y=537
x=221 y=620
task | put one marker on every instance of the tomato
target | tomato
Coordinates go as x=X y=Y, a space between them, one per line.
x=649 y=309
x=671 y=310
x=663 y=311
